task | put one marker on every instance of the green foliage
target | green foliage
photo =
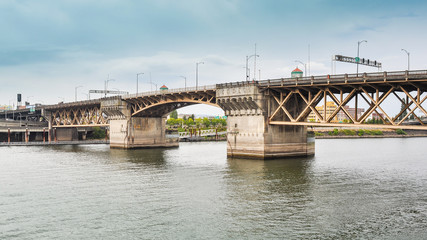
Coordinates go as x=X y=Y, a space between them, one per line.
x=349 y=132
x=318 y=134
x=174 y=114
x=333 y=133
x=400 y=132
x=97 y=133
x=199 y=123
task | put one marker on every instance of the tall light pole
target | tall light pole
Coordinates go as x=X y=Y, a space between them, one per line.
x=357 y=63
x=137 y=81
x=185 y=82
x=75 y=92
x=408 y=56
x=197 y=73
x=87 y=95
x=305 y=66
x=247 y=68
x=106 y=86
x=155 y=85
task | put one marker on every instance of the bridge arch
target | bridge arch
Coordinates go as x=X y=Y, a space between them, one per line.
x=162 y=104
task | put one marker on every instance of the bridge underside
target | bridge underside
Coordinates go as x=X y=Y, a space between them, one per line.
x=162 y=104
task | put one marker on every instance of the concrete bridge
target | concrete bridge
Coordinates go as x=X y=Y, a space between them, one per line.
x=265 y=119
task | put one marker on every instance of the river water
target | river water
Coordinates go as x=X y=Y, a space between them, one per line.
x=351 y=189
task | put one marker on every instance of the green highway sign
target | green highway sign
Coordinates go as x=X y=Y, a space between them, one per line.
x=357 y=60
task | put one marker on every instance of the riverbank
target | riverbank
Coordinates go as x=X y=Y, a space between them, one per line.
x=363 y=133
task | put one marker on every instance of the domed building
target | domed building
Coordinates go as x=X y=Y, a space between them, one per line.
x=163 y=88
x=296 y=73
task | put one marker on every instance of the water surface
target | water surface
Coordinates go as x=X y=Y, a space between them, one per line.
x=352 y=188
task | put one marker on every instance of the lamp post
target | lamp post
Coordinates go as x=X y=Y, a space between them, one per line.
x=408 y=56
x=137 y=81
x=197 y=73
x=247 y=68
x=155 y=85
x=305 y=66
x=106 y=86
x=87 y=95
x=75 y=92
x=185 y=82
x=357 y=63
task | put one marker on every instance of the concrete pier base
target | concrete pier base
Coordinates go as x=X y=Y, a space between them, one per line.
x=140 y=132
x=251 y=137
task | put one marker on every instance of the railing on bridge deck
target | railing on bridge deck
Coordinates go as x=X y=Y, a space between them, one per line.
x=168 y=91
x=345 y=78
x=201 y=133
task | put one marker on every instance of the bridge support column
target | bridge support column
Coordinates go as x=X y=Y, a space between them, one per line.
x=252 y=137
x=66 y=134
x=248 y=133
x=140 y=132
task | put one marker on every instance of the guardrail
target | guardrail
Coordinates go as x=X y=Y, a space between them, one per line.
x=345 y=78
x=200 y=133
x=168 y=91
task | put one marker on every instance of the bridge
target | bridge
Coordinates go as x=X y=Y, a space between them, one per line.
x=265 y=119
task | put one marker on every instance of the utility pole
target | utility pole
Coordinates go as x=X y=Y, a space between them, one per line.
x=75 y=92
x=137 y=81
x=197 y=73
x=255 y=63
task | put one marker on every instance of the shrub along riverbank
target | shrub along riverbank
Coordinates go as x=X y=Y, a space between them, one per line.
x=365 y=133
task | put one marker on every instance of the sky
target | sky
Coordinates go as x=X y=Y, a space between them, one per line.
x=50 y=47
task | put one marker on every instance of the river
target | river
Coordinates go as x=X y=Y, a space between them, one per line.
x=351 y=189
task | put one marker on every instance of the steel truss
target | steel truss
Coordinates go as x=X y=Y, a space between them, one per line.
x=286 y=112
x=79 y=117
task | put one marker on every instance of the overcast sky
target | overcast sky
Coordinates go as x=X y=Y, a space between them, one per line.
x=48 y=47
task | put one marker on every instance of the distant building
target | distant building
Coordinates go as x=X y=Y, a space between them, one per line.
x=164 y=88
x=296 y=73
x=352 y=111
x=330 y=108
x=377 y=116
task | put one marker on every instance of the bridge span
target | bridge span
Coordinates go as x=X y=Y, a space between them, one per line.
x=265 y=119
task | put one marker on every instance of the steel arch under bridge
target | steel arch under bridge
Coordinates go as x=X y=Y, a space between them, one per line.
x=160 y=103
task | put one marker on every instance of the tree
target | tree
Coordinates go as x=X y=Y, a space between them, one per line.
x=174 y=114
x=206 y=122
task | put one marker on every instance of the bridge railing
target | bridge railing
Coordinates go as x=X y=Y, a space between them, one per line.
x=341 y=78
x=174 y=90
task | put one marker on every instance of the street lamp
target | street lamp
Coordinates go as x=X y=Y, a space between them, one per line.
x=358 y=59
x=197 y=73
x=247 y=68
x=155 y=85
x=106 y=86
x=185 y=82
x=75 y=92
x=87 y=95
x=305 y=66
x=137 y=81
x=408 y=56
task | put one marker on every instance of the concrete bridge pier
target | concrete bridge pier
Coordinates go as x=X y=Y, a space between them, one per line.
x=250 y=135
x=127 y=131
